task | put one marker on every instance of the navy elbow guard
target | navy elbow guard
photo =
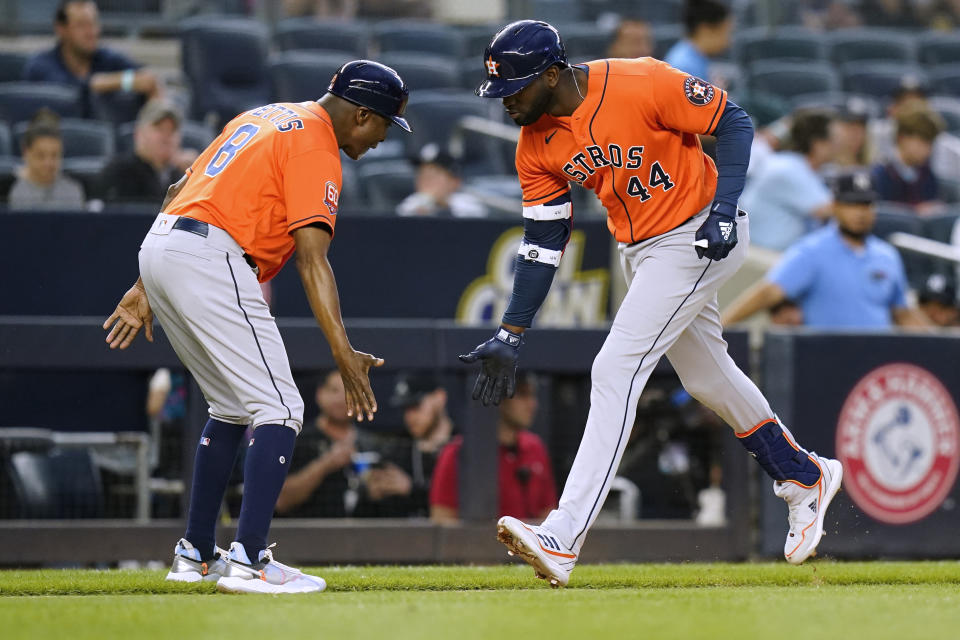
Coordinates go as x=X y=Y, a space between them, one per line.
x=780 y=457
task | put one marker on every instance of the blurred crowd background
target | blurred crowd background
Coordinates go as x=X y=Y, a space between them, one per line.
x=856 y=159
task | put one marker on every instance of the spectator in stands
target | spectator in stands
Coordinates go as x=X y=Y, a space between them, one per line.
x=40 y=185
x=323 y=482
x=827 y=14
x=849 y=133
x=156 y=162
x=526 y=484
x=340 y=9
x=908 y=178
x=938 y=301
x=911 y=95
x=840 y=275
x=632 y=39
x=438 y=188
x=787 y=197
x=78 y=59
x=400 y=486
x=708 y=25
x=894 y=14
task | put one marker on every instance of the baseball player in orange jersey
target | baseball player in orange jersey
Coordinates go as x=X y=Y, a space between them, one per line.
x=628 y=130
x=268 y=185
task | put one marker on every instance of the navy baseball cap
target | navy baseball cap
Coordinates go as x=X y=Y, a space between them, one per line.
x=855 y=187
x=372 y=85
x=519 y=53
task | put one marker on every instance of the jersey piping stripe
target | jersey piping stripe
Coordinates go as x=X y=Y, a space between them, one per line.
x=613 y=173
x=324 y=216
x=626 y=409
x=552 y=193
x=256 y=339
x=720 y=102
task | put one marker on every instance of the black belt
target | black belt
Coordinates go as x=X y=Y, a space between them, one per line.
x=201 y=228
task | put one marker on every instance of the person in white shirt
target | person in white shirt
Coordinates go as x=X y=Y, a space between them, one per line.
x=438 y=188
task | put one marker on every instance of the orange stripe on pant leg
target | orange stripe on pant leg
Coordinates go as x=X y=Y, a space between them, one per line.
x=744 y=435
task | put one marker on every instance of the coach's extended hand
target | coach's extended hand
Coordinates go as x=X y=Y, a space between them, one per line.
x=355 y=371
x=132 y=313
x=499 y=357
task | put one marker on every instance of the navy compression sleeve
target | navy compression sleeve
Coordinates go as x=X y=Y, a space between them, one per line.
x=734 y=134
x=546 y=229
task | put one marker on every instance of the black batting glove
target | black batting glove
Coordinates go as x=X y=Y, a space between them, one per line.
x=717 y=236
x=498 y=357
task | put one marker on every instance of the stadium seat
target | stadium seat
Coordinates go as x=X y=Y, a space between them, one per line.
x=193 y=135
x=6 y=141
x=33 y=484
x=385 y=184
x=87 y=170
x=559 y=13
x=838 y=100
x=8 y=175
x=853 y=45
x=893 y=218
x=226 y=63
x=764 y=108
x=79 y=488
x=303 y=75
x=11 y=65
x=476 y=39
x=940 y=227
x=81 y=138
x=419 y=36
x=789 y=79
x=878 y=79
x=787 y=44
x=944 y=80
x=938 y=48
x=19 y=101
x=328 y=35
x=949 y=110
x=423 y=71
x=585 y=41
x=434 y=115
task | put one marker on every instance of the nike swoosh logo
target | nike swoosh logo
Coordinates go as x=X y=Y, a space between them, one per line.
x=547 y=139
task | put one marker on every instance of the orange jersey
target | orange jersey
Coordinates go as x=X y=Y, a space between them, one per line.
x=272 y=170
x=633 y=141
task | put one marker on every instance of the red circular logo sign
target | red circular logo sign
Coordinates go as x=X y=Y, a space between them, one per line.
x=899 y=440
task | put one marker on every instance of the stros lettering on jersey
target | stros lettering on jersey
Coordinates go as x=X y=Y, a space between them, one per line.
x=633 y=141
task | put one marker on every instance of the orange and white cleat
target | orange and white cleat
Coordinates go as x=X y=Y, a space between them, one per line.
x=808 y=508
x=540 y=548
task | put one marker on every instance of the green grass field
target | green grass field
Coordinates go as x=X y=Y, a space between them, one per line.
x=824 y=600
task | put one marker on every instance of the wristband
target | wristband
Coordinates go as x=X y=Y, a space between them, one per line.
x=126 y=81
x=509 y=338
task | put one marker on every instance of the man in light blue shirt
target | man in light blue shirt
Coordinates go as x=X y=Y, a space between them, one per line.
x=839 y=275
x=787 y=197
x=708 y=25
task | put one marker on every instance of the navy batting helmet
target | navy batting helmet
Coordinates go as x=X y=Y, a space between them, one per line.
x=374 y=86
x=519 y=53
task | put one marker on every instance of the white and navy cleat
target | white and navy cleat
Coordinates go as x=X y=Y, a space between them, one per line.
x=264 y=576
x=808 y=508
x=188 y=567
x=540 y=548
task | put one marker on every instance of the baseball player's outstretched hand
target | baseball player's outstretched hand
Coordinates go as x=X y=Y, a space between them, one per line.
x=132 y=314
x=355 y=369
x=499 y=357
x=716 y=237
